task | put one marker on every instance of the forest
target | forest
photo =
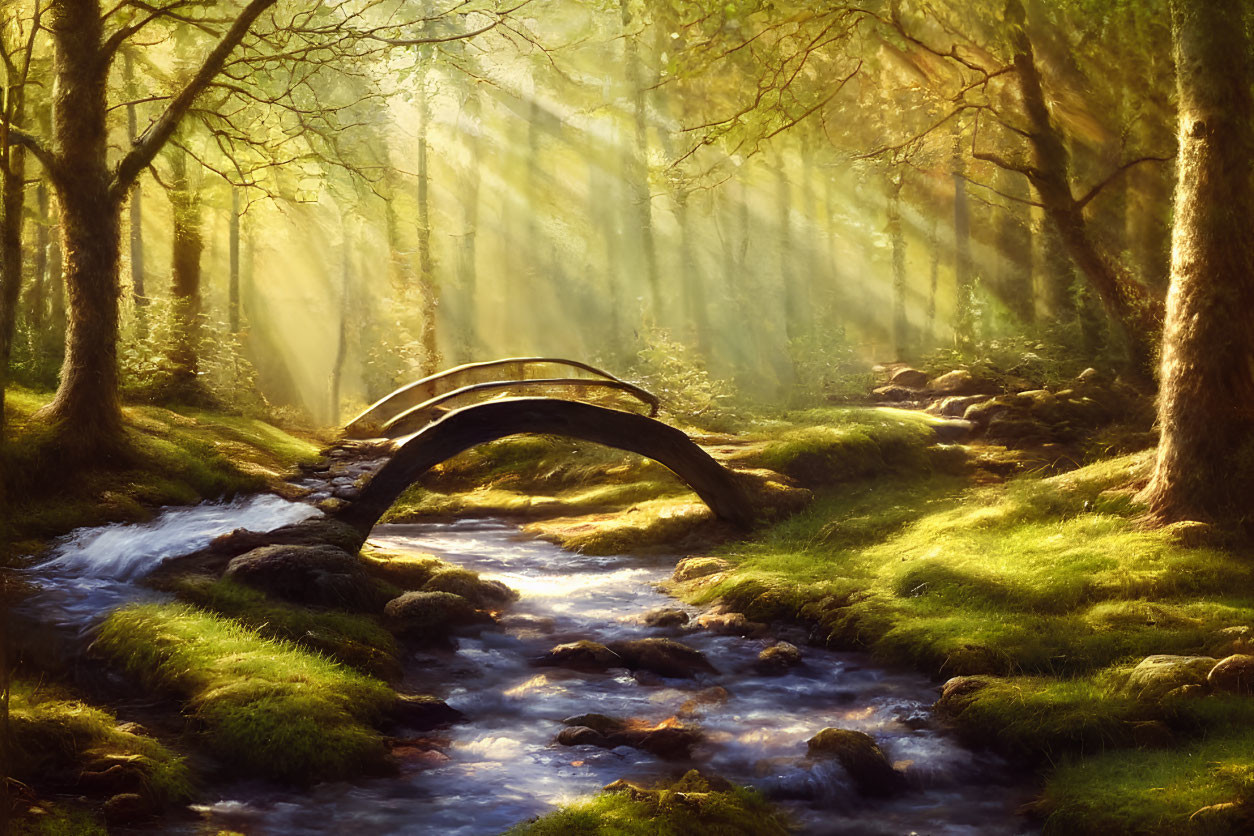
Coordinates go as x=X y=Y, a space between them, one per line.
x=626 y=417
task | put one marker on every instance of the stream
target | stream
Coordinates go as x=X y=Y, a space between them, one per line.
x=502 y=767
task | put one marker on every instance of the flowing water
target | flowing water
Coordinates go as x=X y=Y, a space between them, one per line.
x=502 y=766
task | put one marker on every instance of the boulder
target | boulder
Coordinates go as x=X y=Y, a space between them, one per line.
x=1017 y=429
x=486 y=595
x=582 y=656
x=1155 y=676
x=419 y=712
x=425 y=614
x=957 y=382
x=777 y=659
x=320 y=575
x=691 y=568
x=896 y=394
x=666 y=617
x=955 y=406
x=1233 y=675
x=957 y=692
x=669 y=741
x=909 y=378
x=1190 y=533
x=127 y=807
x=408 y=571
x=664 y=657
x=598 y=722
x=730 y=624
x=861 y=757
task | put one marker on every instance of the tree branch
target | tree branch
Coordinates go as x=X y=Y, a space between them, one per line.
x=1116 y=174
x=152 y=140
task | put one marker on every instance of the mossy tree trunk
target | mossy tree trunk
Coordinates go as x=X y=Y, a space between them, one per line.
x=13 y=186
x=138 y=293
x=1205 y=465
x=187 y=247
x=427 y=287
x=897 y=240
x=964 y=280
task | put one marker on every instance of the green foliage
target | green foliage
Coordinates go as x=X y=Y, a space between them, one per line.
x=677 y=374
x=688 y=807
x=266 y=706
x=56 y=737
x=1041 y=362
x=59 y=820
x=827 y=367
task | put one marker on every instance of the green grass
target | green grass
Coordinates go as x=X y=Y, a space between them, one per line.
x=1051 y=586
x=687 y=808
x=178 y=457
x=55 y=736
x=356 y=640
x=59 y=820
x=266 y=706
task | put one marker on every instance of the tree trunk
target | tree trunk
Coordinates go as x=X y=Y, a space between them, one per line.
x=187 y=247
x=636 y=164
x=1205 y=465
x=467 y=258
x=233 y=297
x=1138 y=316
x=933 y=243
x=897 y=240
x=964 y=281
x=431 y=359
x=36 y=301
x=86 y=411
x=341 y=349
x=1014 y=249
x=13 y=185
x=136 y=209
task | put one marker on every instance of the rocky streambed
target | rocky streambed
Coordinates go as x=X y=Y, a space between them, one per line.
x=595 y=675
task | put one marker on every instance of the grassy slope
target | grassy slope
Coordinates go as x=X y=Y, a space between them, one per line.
x=1050 y=585
x=181 y=457
x=267 y=706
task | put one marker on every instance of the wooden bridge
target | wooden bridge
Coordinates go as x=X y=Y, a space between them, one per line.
x=438 y=417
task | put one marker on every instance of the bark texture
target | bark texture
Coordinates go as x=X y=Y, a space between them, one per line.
x=1206 y=402
x=188 y=245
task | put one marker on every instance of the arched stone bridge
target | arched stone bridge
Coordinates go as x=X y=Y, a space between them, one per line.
x=439 y=416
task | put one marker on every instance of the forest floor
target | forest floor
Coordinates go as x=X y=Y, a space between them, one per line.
x=1072 y=639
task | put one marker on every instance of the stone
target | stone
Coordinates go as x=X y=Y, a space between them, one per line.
x=952 y=431
x=486 y=595
x=1089 y=376
x=896 y=394
x=957 y=692
x=777 y=659
x=1017 y=429
x=600 y=722
x=668 y=617
x=955 y=406
x=416 y=711
x=582 y=655
x=664 y=657
x=861 y=757
x=581 y=736
x=1233 y=675
x=126 y=807
x=669 y=741
x=728 y=624
x=430 y=614
x=909 y=378
x=1155 y=676
x=408 y=571
x=320 y=575
x=691 y=568
x=957 y=382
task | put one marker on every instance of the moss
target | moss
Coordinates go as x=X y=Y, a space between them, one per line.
x=356 y=640
x=265 y=706
x=688 y=807
x=56 y=738
x=176 y=458
x=847 y=446
x=1156 y=792
x=59 y=820
x=645 y=525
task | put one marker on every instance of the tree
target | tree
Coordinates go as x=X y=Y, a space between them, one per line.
x=1205 y=464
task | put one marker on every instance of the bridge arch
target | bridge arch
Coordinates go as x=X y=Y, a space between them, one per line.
x=474 y=425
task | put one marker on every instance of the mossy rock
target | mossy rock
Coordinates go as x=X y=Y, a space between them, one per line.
x=861 y=757
x=582 y=655
x=483 y=594
x=405 y=571
x=1233 y=675
x=320 y=575
x=664 y=657
x=1156 y=676
x=427 y=614
x=666 y=617
x=778 y=659
x=691 y=568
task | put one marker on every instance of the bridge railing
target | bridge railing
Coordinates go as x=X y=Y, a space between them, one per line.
x=612 y=393
x=421 y=399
